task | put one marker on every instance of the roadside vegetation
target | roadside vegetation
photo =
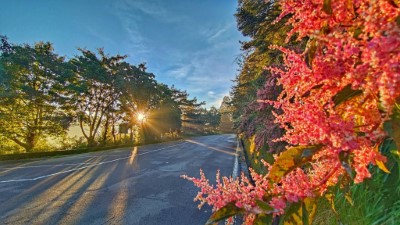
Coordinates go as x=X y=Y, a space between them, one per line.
x=317 y=105
x=101 y=99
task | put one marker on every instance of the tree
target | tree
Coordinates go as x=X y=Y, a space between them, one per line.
x=166 y=117
x=141 y=95
x=256 y=20
x=94 y=91
x=226 y=110
x=32 y=79
x=212 y=117
x=191 y=111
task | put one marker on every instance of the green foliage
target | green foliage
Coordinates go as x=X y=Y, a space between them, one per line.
x=291 y=158
x=94 y=90
x=394 y=125
x=226 y=125
x=212 y=117
x=32 y=79
x=225 y=212
x=254 y=156
x=300 y=213
x=264 y=206
x=255 y=20
x=377 y=201
x=345 y=94
x=262 y=219
x=41 y=94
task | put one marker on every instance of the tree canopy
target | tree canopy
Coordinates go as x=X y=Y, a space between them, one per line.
x=43 y=94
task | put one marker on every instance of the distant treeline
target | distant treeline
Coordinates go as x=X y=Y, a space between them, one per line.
x=42 y=94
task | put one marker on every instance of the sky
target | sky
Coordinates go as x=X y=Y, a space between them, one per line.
x=192 y=44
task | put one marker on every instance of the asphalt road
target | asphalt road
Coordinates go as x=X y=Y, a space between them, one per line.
x=122 y=186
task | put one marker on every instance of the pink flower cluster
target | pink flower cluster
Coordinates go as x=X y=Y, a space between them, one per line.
x=355 y=44
x=227 y=190
x=353 y=48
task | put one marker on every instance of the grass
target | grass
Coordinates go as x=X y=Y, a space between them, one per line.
x=375 y=202
x=59 y=153
x=34 y=155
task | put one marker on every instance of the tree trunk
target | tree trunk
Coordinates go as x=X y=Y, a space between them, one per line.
x=30 y=141
x=131 y=134
x=113 y=132
x=104 y=141
x=91 y=142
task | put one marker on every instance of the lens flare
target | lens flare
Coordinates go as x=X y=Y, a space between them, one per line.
x=141 y=117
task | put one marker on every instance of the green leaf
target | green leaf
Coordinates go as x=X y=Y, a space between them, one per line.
x=312 y=50
x=382 y=166
x=310 y=207
x=292 y=215
x=290 y=159
x=392 y=127
x=330 y=197
x=225 y=212
x=307 y=93
x=304 y=214
x=396 y=155
x=300 y=213
x=344 y=186
x=357 y=32
x=345 y=94
x=263 y=219
x=327 y=7
x=264 y=206
x=395 y=121
x=347 y=196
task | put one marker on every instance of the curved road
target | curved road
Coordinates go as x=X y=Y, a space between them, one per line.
x=122 y=186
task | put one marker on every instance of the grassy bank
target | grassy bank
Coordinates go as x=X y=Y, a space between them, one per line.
x=34 y=155
x=57 y=153
x=254 y=156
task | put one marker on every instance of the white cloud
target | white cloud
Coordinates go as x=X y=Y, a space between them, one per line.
x=207 y=74
x=129 y=13
x=220 y=32
x=213 y=33
x=180 y=72
x=204 y=73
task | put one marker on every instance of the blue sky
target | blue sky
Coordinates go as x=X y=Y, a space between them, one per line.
x=192 y=44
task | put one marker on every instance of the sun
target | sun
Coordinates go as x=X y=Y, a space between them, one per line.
x=141 y=116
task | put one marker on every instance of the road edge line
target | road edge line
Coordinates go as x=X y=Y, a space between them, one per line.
x=240 y=166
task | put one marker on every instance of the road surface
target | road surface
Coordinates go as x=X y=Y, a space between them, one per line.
x=122 y=186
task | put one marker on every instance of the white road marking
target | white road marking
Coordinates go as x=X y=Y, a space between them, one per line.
x=84 y=167
x=236 y=164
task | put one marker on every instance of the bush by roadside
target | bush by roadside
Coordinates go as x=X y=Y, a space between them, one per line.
x=376 y=201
